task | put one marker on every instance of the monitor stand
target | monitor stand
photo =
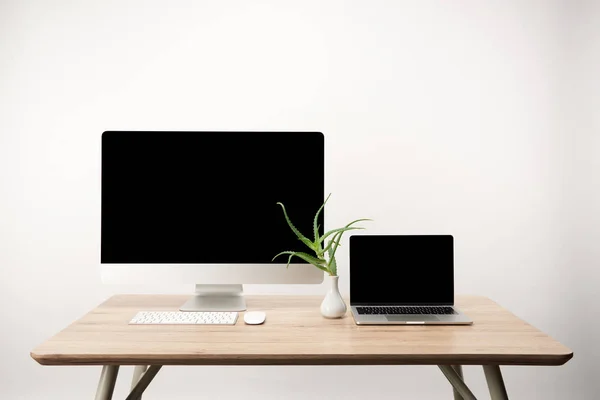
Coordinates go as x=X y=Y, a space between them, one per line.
x=216 y=298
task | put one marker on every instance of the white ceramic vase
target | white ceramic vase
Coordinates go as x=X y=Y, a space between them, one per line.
x=333 y=305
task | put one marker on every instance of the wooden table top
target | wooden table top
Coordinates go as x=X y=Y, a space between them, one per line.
x=295 y=333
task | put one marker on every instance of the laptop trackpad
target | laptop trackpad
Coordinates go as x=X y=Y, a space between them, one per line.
x=411 y=318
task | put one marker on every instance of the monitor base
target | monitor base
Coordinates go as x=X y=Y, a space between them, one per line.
x=216 y=298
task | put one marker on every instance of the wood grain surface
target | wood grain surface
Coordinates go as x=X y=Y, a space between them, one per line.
x=295 y=333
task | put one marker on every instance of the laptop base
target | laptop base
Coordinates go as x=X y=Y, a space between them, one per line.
x=410 y=319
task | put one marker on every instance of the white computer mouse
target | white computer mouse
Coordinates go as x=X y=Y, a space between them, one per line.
x=254 y=317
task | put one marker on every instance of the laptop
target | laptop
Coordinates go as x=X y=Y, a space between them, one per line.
x=403 y=279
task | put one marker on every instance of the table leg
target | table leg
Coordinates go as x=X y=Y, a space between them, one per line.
x=138 y=371
x=106 y=385
x=495 y=383
x=459 y=372
x=457 y=382
x=144 y=381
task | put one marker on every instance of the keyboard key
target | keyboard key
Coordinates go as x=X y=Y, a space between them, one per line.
x=385 y=310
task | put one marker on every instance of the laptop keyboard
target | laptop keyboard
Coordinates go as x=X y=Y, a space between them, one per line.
x=406 y=310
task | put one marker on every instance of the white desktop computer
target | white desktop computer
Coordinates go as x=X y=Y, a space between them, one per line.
x=200 y=208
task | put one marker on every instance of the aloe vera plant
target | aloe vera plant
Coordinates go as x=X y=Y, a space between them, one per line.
x=320 y=246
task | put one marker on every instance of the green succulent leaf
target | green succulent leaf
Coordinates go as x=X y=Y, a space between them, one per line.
x=332 y=248
x=332 y=263
x=329 y=245
x=317 y=262
x=347 y=227
x=315 y=226
x=299 y=234
x=342 y=230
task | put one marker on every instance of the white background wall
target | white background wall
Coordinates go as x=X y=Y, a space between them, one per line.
x=477 y=118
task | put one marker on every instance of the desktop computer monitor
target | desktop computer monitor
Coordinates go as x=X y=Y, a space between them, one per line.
x=201 y=208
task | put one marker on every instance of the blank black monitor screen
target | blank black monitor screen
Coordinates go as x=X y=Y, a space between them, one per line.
x=208 y=197
x=402 y=269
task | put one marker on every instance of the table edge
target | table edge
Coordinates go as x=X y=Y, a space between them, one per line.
x=304 y=359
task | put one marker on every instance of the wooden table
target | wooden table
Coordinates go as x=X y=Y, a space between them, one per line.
x=296 y=334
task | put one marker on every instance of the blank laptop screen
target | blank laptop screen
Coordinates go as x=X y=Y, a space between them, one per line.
x=401 y=270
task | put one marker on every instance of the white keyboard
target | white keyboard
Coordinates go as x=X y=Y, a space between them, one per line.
x=184 y=318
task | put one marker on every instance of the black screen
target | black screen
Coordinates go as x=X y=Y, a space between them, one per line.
x=395 y=269
x=208 y=197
